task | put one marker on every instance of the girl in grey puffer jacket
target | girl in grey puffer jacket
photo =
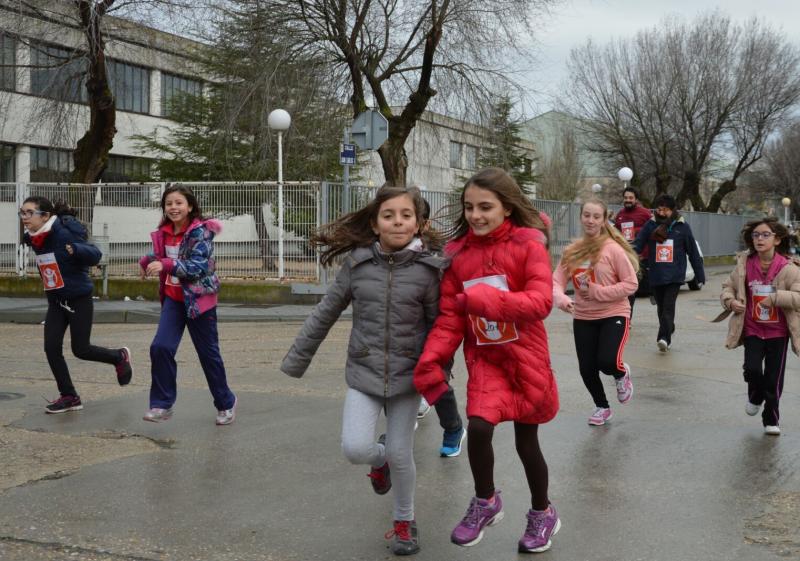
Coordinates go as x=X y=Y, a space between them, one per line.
x=391 y=278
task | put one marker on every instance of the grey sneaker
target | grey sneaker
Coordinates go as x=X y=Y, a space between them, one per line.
x=424 y=408
x=479 y=515
x=227 y=416
x=541 y=527
x=404 y=536
x=157 y=414
x=751 y=408
x=663 y=346
x=772 y=430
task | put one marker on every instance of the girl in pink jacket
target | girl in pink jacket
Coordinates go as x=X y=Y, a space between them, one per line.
x=602 y=268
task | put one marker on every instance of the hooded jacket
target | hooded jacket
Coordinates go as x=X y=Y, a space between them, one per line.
x=49 y=244
x=499 y=316
x=195 y=266
x=395 y=299
x=666 y=261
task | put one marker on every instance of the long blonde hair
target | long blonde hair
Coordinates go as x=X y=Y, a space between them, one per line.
x=588 y=249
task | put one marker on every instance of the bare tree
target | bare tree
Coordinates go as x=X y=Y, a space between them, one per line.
x=405 y=53
x=79 y=73
x=681 y=96
x=778 y=173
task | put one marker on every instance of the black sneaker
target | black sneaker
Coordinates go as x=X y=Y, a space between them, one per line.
x=124 y=367
x=64 y=403
x=405 y=537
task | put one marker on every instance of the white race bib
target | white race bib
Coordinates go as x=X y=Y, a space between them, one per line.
x=172 y=253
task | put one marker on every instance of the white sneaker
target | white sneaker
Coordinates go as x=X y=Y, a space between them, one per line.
x=227 y=416
x=663 y=346
x=751 y=408
x=424 y=408
x=156 y=414
x=772 y=430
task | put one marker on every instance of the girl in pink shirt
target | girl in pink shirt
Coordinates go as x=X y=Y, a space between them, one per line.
x=602 y=268
x=762 y=292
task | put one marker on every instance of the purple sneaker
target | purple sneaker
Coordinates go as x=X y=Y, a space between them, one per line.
x=625 y=385
x=479 y=515
x=600 y=416
x=541 y=527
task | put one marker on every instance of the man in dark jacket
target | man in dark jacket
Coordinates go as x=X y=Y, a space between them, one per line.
x=629 y=220
x=669 y=240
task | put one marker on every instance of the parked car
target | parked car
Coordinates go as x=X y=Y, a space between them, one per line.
x=691 y=282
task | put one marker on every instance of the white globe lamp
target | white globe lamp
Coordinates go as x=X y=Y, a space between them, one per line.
x=625 y=174
x=786 y=202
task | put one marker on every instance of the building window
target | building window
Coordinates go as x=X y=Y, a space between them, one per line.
x=127 y=170
x=58 y=73
x=8 y=52
x=130 y=86
x=455 y=154
x=470 y=157
x=7 y=172
x=49 y=165
x=173 y=86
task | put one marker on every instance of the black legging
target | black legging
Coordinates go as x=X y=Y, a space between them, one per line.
x=481 y=459
x=77 y=314
x=599 y=344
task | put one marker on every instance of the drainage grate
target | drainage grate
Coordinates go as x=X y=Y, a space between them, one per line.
x=8 y=396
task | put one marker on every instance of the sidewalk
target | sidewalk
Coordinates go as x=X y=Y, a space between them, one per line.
x=33 y=310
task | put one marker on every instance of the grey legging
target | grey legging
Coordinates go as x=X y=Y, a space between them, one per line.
x=360 y=419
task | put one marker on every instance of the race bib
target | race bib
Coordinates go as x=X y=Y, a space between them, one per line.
x=583 y=275
x=627 y=230
x=51 y=274
x=763 y=310
x=492 y=332
x=664 y=251
x=172 y=253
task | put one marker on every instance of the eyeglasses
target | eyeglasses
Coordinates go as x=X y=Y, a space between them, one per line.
x=29 y=213
x=763 y=235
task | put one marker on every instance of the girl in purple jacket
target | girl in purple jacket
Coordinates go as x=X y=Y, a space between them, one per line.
x=182 y=257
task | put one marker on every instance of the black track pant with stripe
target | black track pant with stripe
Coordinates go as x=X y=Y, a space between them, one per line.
x=600 y=344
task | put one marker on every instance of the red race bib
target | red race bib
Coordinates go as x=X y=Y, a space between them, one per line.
x=492 y=332
x=48 y=269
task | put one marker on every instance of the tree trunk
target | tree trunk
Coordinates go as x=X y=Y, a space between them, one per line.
x=394 y=161
x=91 y=153
x=727 y=187
x=690 y=191
x=663 y=179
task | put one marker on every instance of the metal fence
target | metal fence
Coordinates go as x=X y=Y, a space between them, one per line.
x=258 y=241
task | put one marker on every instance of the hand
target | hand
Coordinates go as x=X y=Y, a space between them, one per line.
x=737 y=307
x=569 y=307
x=154 y=268
x=584 y=290
x=69 y=249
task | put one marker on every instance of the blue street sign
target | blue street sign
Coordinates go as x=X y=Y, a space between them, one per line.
x=347 y=154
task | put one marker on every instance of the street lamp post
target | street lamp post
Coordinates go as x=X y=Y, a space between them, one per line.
x=280 y=120
x=786 y=202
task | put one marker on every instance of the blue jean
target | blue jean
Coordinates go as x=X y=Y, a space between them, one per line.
x=164 y=369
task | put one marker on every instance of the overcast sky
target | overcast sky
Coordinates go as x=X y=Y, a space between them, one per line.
x=577 y=20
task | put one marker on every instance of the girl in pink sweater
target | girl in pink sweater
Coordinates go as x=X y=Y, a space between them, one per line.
x=602 y=268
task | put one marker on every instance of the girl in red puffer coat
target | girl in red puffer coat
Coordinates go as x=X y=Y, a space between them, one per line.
x=495 y=297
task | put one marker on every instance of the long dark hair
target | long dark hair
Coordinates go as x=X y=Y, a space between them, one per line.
x=773 y=224
x=500 y=182
x=356 y=228
x=190 y=198
x=59 y=208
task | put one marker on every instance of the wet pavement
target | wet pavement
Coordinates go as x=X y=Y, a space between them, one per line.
x=680 y=473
